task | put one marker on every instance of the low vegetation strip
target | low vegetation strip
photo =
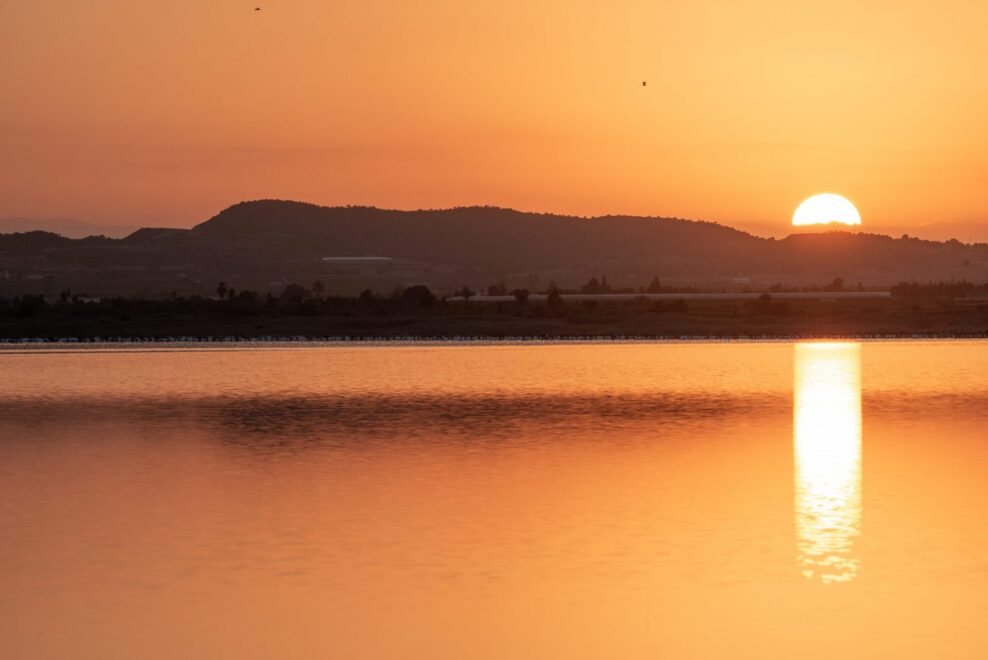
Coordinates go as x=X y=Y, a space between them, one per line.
x=415 y=313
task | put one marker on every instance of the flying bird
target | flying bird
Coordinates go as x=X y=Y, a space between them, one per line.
x=257 y=9
x=644 y=83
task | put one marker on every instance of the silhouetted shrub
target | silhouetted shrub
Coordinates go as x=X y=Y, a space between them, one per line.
x=419 y=296
x=295 y=293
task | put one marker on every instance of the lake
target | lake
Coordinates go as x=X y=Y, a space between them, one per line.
x=609 y=500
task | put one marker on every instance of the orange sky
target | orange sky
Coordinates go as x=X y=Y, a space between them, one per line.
x=163 y=113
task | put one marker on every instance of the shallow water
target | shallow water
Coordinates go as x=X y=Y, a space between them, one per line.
x=693 y=500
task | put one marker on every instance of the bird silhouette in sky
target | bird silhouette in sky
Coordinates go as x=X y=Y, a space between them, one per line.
x=644 y=83
x=257 y=9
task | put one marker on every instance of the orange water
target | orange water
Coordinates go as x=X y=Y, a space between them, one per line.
x=533 y=501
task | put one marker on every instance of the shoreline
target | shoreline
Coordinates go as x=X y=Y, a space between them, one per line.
x=44 y=343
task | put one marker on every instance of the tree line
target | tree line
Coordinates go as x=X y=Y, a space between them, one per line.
x=296 y=299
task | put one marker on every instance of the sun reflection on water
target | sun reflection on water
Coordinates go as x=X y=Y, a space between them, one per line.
x=827 y=447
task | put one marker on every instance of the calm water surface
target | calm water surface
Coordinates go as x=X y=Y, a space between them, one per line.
x=531 y=501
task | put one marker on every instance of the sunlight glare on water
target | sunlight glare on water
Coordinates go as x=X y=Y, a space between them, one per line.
x=827 y=448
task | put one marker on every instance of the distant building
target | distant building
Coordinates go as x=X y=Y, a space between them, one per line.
x=355 y=261
x=358 y=265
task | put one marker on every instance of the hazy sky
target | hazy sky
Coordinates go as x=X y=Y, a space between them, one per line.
x=138 y=112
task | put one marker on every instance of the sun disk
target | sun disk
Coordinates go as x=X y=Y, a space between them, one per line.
x=826 y=208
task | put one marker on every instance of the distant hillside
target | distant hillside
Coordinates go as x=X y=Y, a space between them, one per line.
x=476 y=236
x=63 y=226
x=263 y=245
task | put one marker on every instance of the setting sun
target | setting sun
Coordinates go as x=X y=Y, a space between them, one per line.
x=826 y=208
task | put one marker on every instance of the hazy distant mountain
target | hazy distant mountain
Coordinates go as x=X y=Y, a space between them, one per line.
x=63 y=226
x=264 y=244
x=966 y=232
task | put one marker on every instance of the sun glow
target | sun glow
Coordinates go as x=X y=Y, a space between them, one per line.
x=827 y=444
x=826 y=208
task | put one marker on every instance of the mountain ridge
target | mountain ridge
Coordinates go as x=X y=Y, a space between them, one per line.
x=262 y=244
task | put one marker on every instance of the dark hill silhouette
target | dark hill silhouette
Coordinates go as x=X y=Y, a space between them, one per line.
x=487 y=236
x=149 y=234
x=31 y=242
x=263 y=245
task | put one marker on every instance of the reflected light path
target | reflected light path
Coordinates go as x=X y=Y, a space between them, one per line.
x=827 y=449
